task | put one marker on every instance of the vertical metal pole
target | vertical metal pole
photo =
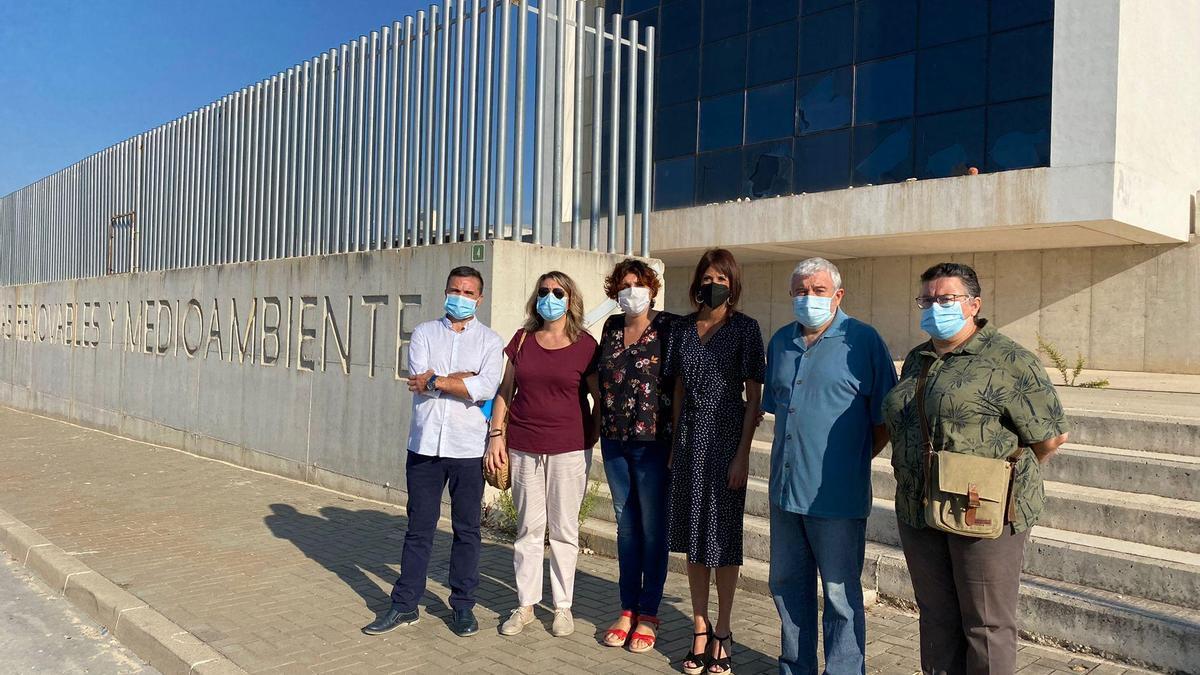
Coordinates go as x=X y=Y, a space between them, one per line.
x=647 y=141
x=614 y=136
x=406 y=230
x=439 y=190
x=577 y=119
x=328 y=181
x=467 y=214
x=518 y=174
x=277 y=103
x=341 y=222
x=368 y=152
x=427 y=132
x=263 y=96
x=486 y=232
x=379 y=151
x=415 y=163
x=597 y=107
x=394 y=114
x=631 y=137
x=502 y=123
x=454 y=198
x=308 y=137
x=295 y=185
x=359 y=112
x=559 y=82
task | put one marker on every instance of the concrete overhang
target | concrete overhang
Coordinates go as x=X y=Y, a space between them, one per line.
x=1051 y=207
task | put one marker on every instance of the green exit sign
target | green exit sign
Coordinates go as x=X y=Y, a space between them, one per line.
x=477 y=253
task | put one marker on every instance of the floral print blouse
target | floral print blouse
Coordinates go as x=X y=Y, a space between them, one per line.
x=635 y=399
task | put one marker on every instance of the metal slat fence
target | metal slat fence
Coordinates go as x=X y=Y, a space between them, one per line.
x=400 y=138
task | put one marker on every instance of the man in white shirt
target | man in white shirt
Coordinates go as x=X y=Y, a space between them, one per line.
x=455 y=364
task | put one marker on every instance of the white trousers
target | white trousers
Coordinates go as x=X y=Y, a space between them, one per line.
x=547 y=490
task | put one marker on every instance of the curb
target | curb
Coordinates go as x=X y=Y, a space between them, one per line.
x=152 y=636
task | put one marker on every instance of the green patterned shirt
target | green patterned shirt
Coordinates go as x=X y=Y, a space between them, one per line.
x=985 y=398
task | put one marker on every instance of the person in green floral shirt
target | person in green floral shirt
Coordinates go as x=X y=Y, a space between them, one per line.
x=985 y=395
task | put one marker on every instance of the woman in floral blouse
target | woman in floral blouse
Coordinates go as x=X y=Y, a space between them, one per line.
x=635 y=443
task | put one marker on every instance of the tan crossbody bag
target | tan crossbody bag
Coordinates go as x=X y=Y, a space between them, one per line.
x=965 y=494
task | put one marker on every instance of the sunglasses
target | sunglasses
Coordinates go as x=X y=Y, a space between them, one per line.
x=558 y=292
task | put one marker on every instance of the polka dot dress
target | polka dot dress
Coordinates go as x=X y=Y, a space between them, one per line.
x=705 y=515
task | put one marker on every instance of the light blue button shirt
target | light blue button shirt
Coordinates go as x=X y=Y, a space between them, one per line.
x=443 y=425
x=826 y=399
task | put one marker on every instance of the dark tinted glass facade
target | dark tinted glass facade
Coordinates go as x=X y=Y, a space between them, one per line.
x=760 y=98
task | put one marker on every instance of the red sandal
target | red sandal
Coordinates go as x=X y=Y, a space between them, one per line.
x=645 y=638
x=615 y=637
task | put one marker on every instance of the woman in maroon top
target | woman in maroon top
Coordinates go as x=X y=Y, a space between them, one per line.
x=550 y=427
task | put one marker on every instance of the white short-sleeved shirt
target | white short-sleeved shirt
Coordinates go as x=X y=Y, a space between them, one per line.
x=444 y=425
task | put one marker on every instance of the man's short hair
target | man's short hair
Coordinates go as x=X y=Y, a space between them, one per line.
x=811 y=266
x=465 y=271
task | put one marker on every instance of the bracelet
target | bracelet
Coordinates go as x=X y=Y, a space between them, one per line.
x=495 y=433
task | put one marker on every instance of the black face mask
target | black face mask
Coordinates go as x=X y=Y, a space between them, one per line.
x=713 y=295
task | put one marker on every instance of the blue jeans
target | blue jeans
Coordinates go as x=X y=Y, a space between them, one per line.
x=800 y=546
x=638 y=480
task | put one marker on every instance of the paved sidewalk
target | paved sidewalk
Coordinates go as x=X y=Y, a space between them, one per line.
x=279 y=576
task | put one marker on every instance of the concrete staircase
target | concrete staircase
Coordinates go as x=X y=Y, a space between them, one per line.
x=1114 y=564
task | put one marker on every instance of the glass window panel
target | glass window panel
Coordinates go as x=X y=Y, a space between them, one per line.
x=945 y=21
x=680 y=21
x=724 y=18
x=814 y=6
x=1019 y=63
x=723 y=66
x=827 y=40
x=953 y=76
x=674 y=182
x=678 y=77
x=823 y=101
x=675 y=130
x=884 y=90
x=772 y=54
x=767 y=12
x=631 y=7
x=1018 y=135
x=822 y=162
x=721 y=121
x=883 y=153
x=1013 y=13
x=719 y=176
x=645 y=20
x=770 y=112
x=950 y=143
x=767 y=169
x=886 y=27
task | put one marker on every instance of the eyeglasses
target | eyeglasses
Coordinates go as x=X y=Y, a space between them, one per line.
x=925 y=301
x=558 y=292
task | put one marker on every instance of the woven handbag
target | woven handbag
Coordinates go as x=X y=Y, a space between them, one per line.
x=501 y=478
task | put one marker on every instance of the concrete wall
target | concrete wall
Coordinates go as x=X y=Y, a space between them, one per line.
x=316 y=393
x=1124 y=307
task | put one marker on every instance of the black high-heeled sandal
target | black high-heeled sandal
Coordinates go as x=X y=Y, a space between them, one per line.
x=721 y=665
x=700 y=658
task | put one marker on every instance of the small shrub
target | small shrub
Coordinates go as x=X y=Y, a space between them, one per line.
x=1070 y=374
x=501 y=514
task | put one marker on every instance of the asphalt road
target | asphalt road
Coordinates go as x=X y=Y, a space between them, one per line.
x=43 y=633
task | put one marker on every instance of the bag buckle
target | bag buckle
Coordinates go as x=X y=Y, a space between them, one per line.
x=973 y=505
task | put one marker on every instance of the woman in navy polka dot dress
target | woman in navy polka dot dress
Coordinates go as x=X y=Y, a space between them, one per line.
x=717 y=357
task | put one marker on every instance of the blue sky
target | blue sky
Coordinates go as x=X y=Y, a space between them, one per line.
x=78 y=76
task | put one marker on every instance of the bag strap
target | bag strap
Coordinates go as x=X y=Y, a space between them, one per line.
x=508 y=404
x=927 y=448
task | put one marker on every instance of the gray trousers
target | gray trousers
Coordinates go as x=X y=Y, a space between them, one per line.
x=967 y=592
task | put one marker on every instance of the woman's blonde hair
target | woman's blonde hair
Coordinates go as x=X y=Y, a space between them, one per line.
x=574 y=316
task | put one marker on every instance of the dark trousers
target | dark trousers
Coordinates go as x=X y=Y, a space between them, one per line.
x=967 y=593
x=639 y=482
x=427 y=477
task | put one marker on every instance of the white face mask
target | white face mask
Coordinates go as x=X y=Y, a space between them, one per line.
x=634 y=301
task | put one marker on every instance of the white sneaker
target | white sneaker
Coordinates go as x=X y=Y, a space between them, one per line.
x=563 y=624
x=516 y=622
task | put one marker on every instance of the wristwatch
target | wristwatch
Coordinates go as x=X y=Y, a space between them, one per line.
x=431 y=384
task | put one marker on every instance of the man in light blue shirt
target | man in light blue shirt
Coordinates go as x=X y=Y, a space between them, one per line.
x=827 y=374
x=455 y=364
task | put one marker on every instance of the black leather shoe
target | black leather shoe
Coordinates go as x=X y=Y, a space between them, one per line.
x=391 y=620
x=464 y=623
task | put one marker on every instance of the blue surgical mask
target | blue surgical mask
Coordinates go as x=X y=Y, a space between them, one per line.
x=551 y=308
x=459 y=307
x=943 y=323
x=812 y=311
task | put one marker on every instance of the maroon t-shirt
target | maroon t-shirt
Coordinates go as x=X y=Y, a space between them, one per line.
x=548 y=408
